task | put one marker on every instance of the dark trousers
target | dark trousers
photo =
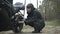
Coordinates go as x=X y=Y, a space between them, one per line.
x=38 y=26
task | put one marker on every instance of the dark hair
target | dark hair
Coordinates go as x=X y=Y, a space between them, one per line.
x=30 y=6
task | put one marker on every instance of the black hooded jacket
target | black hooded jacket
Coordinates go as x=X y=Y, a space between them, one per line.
x=34 y=17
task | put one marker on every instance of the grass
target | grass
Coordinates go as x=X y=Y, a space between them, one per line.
x=25 y=27
x=52 y=23
x=48 y=23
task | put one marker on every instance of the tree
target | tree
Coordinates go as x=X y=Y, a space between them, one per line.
x=52 y=9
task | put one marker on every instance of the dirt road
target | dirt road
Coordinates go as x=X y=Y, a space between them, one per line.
x=46 y=30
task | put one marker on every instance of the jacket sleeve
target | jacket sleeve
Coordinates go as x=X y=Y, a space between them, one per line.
x=36 y=16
